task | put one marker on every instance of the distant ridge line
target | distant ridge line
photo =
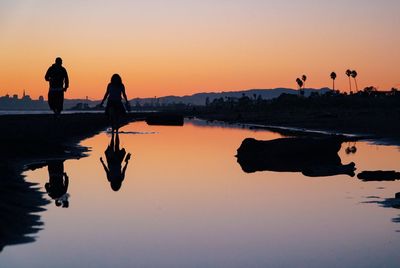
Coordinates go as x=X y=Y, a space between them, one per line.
x=200 y=98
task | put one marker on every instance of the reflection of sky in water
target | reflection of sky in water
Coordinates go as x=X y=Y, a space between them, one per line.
x=185 y=202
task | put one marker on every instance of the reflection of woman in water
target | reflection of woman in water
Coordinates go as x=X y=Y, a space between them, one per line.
x=58 y=183
x=115 y=156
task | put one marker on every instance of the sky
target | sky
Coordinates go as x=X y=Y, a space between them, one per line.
x=181 y=47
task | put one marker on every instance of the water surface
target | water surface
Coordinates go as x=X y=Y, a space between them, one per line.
x=185 y=202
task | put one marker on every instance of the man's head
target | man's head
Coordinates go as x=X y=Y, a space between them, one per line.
x=58 y=61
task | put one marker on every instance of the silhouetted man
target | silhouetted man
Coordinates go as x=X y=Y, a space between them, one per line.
x=57 y=77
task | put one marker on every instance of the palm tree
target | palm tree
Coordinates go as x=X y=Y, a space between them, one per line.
x=304 y=78
x=354 y=75
x=348 y=73
x=333 y=77
x=300 y=84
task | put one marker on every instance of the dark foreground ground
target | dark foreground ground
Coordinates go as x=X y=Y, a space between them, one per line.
x=23 y=136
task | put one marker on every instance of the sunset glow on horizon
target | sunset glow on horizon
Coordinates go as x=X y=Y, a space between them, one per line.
x=182 y=47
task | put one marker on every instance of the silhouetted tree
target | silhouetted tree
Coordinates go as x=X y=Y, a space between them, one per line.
x=354 y=75
x=370 y=90
x=333 y=77
x=348 y=73
x=304 y=78
x=300 y=84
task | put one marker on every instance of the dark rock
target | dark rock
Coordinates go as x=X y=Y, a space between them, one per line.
x=311 y=156
x=379 y=175
x=162 y=119
x=397 y=195
x=325 y=171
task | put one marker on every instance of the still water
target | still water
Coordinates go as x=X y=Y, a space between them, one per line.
x=185 y=202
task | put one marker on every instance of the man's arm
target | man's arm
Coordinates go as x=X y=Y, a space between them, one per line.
x=66 y=80
x=66 y=180
x=47 y=75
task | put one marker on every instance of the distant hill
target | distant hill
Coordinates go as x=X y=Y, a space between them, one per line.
x=7 y=103
x=200 y=98
x=69 y=103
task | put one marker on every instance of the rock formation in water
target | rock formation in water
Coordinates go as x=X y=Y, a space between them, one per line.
x=165 y=119
x=379 y=175
x=311 y=156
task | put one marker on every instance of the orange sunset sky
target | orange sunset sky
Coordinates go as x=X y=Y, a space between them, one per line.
x=181 y=47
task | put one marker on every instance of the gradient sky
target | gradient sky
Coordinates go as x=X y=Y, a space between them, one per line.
x=180 y=47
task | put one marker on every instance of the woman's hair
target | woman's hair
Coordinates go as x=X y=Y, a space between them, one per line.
x=116 y=185
x=116 y=79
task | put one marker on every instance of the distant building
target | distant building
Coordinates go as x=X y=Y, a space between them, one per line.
x=6 y=97
x=23 y=104
x=26 y=97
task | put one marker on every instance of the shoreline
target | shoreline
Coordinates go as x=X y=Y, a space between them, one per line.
x=297 y=131
x=299 y=126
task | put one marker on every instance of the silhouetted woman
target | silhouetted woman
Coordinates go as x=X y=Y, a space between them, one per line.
x=58 y=183
x=115 y=156
x=114 y=93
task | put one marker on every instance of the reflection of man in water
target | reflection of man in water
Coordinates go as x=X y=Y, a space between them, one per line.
x=58 y=183
x=115 y=156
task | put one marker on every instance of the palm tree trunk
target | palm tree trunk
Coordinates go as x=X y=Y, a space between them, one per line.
x=333 y=84
x=355 y=81
x=350 y=84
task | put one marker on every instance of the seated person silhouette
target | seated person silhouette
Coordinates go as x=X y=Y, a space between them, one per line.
x=114 y=157
x=58 y=183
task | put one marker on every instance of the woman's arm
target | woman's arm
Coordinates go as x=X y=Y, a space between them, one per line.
x=124 y=94
x=105 y=95
x=104 y=165
x=126 y=164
